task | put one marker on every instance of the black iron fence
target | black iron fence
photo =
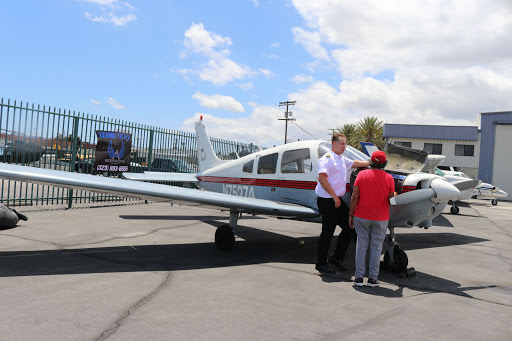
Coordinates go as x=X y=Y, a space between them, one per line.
x=65 y=140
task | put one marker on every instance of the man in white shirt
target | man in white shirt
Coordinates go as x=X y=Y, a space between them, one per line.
x=332 y=175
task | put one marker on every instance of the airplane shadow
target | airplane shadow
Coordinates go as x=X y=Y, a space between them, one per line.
x=441 y=220
x=258 y=247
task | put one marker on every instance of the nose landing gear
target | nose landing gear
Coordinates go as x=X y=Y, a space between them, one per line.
x=395 y=259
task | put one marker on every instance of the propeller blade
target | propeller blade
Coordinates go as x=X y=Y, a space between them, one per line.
x=462 y=185
x=413 y=196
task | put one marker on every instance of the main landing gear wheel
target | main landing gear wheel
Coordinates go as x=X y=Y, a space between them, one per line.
x=399 y=262
x=224 y=238
x=454 y=210
x=494 y=202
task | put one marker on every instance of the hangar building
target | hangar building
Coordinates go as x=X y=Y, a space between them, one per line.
x=460 y=144
x=481 y=153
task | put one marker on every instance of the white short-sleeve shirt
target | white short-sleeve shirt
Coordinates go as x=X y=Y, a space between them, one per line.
x=335 y=166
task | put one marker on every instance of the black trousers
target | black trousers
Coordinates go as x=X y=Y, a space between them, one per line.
x=332 y=216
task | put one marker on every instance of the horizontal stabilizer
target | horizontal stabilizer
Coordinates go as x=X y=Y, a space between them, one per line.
x=413 y=196
x=161 y=177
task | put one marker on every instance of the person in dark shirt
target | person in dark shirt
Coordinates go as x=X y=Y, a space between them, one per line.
x=369 y=215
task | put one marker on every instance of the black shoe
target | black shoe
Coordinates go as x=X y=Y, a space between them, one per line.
x=372 y=283
x=337 y=264
x=358 y=282
x=324 y=269
x=20 y=216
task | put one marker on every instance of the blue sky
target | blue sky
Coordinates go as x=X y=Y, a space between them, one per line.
x=165 y=63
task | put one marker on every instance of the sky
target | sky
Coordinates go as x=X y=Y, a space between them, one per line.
x=166 y=63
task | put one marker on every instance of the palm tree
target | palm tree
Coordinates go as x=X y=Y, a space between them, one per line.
x=370 y=129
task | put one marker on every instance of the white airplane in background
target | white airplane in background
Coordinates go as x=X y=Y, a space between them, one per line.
x=277 y=182
x=488 y=191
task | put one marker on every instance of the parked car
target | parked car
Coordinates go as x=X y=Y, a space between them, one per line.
x=158 y=165
x=18 y=151
x=172 y=165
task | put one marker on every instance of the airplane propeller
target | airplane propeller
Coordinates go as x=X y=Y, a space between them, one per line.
x=413 y=196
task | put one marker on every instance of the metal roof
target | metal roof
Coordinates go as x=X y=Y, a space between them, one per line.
x=466 y=133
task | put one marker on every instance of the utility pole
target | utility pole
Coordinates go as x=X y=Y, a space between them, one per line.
x=286 y=118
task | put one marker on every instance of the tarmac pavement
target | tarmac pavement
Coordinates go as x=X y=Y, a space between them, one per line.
x=151 y=271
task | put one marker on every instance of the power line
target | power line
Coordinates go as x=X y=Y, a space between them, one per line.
x=316 y=138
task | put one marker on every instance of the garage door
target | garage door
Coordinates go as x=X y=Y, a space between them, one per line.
x=501 y=175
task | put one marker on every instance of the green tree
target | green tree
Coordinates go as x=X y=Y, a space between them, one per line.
x=368 y=129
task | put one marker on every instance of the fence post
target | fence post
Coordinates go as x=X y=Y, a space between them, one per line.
x=73 y=156
x=150 y=151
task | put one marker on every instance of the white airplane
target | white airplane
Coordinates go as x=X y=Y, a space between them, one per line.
x=277 y=182
x=488 y=191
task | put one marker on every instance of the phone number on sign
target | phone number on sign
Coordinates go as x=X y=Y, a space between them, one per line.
x=107 y=168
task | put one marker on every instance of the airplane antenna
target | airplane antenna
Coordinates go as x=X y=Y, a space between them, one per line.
x=286 y=118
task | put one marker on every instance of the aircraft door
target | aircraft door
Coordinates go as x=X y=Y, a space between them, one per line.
x=296 y=176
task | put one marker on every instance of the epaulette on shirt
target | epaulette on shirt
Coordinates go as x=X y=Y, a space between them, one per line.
x=328 y=155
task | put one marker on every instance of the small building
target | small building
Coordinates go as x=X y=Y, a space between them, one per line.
x=460 y=144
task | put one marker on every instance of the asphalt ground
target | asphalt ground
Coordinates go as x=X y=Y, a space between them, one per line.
x=151 y=271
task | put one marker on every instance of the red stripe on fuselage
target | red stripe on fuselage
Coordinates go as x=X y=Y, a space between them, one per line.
x=260 y=182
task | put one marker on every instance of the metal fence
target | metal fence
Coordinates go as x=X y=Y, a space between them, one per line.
x=65 y=140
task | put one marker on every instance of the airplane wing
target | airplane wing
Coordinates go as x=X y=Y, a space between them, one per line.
x=466 y=184
x=161 y=177
x=151 y=191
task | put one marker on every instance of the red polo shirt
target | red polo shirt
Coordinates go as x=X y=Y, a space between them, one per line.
x=374 y=188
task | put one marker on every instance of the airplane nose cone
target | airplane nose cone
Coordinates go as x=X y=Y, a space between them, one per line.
x=501 y=193
x=444 y=190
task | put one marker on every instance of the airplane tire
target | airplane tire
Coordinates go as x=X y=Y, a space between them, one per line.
x=224 y=238
x=454 y=210
x=400 y=262
x=494 y=202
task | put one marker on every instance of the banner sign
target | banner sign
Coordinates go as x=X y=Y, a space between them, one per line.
x=112 y=152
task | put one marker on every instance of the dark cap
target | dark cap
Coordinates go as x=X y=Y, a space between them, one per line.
x=378 y=157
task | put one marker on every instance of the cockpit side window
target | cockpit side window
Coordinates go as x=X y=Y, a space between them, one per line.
x=248 y=167
x=296 y=161
x=267 y=164
x=323 y=148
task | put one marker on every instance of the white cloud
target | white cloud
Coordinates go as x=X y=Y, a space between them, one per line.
x=275 y=45
x=245 y=86
x=221 y=71
x=267 y=72
x=219 y=102
x=262 y=127
x=405 y=62
x=118 y=13
x=218 y=69
x=256 y=3
x=311 y=42
x=95 y=102
x=299 y=79
x=115 y=104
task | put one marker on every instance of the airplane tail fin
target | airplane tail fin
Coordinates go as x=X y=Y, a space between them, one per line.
x=205 y=154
